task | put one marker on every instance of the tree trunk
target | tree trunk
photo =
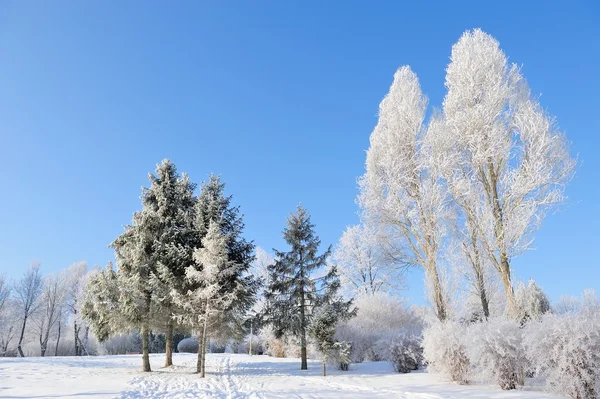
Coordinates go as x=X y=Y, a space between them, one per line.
x=145 y=344
x=200 y=351
x=204 y=356
x=324 y=369
x=483 y=296
x=19 y=348
x=83 y=345
x=57 y=339
x=75 y=337
x=438 y=295
x=477 y=266
x=304 y=363
x=511 y=302
x=169 y=345
x=203 y=339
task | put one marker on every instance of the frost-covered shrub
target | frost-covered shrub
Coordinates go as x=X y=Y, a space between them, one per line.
x=244 y=346
x=496 y=349
x=445 y=351
x=188 y=345
x=273 y=346
x=378 y=317
x=532 y=302
x=403 y=350
x=565 y=348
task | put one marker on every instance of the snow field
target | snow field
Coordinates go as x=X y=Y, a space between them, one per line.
x=229 y=376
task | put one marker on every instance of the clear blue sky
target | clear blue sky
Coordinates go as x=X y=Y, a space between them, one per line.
x=279 y=97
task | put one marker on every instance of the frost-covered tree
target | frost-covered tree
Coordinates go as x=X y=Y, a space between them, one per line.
x=399 y=193
x=7 y=312
x=362 y=262
x=28 y=291
x=294 y=290
x=170 y=201
x=532 y=302
x=211 y=292
x=101 y=306
x=136 y=268
x=52 y=303
x=502 y=157
x=76 y=277
x=9 y=327
x=322 y=330
x=260 y=269
x=214 y=206
x=151 y=256
x=5 y=291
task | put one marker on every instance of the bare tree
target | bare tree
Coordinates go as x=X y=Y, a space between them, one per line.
x=7 y=325
x=503 y=158
x=75 y=286
x=364 y=267
x=398 y=191
x=4 y=294
x=52 y=305
x=27 y=294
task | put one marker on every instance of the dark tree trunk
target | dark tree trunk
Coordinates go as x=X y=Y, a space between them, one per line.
x=75 y=338
x=304 y=362
x=19 y=348
x=169 y=345
x=57 y=339
x=145 y=351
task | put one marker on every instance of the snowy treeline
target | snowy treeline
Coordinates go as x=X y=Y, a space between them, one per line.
x=41 y=315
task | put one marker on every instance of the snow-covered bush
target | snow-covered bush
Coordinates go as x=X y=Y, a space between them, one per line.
x=378 y=317
x=532 y=302
x=188 y=345
x=496 y=349
x=244 y=346
x=403 y=350
x=273 y=346
x=445 y=351
x=565 y=348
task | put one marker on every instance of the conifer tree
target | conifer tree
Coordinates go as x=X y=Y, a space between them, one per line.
x=152 y=255
x=170 y=198
x=101 y=303
x=294 y=292
x=205 y=305
x=213 y=205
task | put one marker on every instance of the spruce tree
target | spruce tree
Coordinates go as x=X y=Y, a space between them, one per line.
x=294 y=292
x=214 y=206
x=170 y=198
x=152 y=254
x=205 y=306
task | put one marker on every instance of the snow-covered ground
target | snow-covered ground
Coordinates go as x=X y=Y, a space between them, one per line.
x=228 y=376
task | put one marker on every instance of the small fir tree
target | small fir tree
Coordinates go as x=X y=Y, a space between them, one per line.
x=294 y=292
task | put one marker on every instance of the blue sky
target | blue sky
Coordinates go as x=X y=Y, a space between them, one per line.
x=278 y=97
